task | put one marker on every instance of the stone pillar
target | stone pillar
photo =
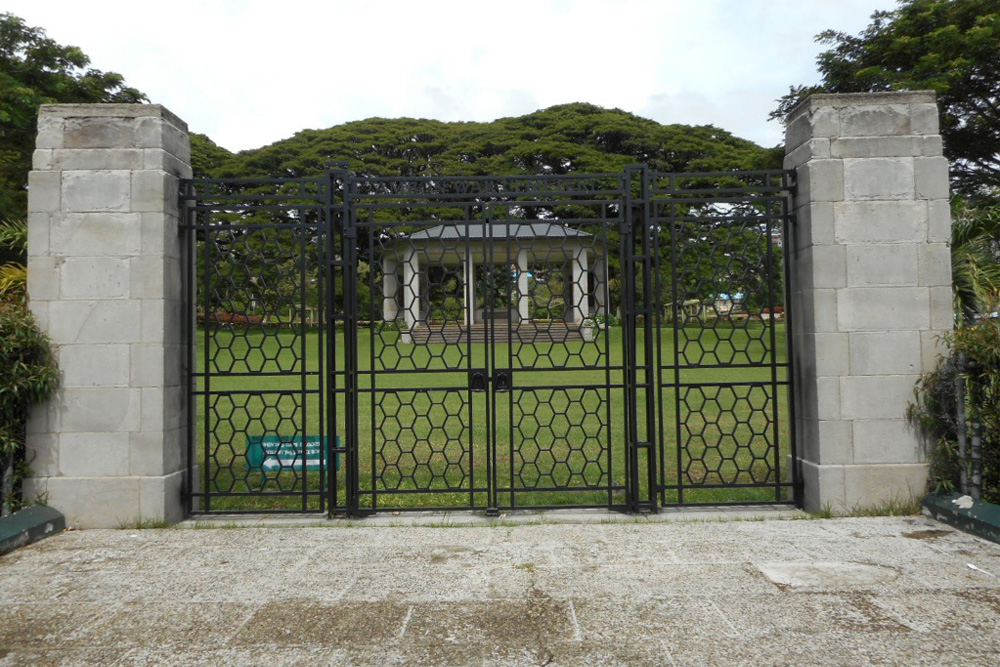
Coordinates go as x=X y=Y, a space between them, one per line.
x=871 y=281
x=104 y=278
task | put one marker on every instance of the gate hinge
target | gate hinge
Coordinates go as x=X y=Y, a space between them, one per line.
x=350 y=232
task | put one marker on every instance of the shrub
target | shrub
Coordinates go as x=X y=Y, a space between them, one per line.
x=28 y=375
x=967 y=381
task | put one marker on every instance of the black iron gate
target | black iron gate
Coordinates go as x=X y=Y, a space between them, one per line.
x=602 y=340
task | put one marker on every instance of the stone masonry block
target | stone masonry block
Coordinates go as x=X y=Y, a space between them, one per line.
x=932 y=349
x=45 y=191
x=85 y=191
x=152 y=417
x=99 y=410
x=887 y=441
x=865 y=120
x=933 y=146
x=97 y=158
x=867 y=147
x=94 y=454
x=151 y=190
x=931 y=176
x=147 y=455
x=822 y=179
x=97 y=234
x=43 y=277
x=876 y=396
x=101 y=322
x=824 y=487
x=95 y=502
x=871 y=486
x=942 y=308
x=147 y=365
x=94 y=365
x=883 y=309
x=161 y=133
x=885 y=353
x=107 y=132
x=880 y=222
x=41 y=159
x=832 y=354
x=42 y=449
x=813 y=149
x=881 y=264
x=95 y=278
x=868 y=179
x=925 y=118
x=147 y=276
x=829 y=268
x=939 y=221
x=152 y=320
x=828 y=399
x=50 y=132
x=157 y=159
x=934 y=265
x=38 y=234
x=162 y=498
x=825 y=315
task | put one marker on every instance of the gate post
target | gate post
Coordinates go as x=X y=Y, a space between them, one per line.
x=871 y=289
x=104 y=278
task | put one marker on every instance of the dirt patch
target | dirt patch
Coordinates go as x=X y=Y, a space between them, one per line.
x=304 y=622
x=927 y=534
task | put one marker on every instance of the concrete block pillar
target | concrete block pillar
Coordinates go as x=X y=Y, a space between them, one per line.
x=871 y=280
x=104 y=279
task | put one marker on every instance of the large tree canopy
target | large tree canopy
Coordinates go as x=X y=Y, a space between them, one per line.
x=949 y=46
x=569 y=138
x=35 y=70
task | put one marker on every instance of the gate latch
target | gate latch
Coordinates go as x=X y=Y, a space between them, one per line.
x=477 y=380
x=501 y=381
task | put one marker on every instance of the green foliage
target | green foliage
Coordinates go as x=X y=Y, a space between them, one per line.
x=35 y=70
x=975 y=247
x=569 y=138
x=29 y=376
x=949 y=46
x=974 y=364
x=13 y=252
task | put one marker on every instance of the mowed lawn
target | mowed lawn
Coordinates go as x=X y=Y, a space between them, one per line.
x=425 y=439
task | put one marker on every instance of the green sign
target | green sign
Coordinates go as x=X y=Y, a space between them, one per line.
x=273 y=453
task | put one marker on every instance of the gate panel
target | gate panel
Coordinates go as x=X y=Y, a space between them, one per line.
x=723 y=370
x=257 y=274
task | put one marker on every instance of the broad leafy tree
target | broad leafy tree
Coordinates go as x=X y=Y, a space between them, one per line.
x=949 y=46
x=35 y=70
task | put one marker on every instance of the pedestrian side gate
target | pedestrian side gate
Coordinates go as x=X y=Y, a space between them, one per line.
x=603 y=340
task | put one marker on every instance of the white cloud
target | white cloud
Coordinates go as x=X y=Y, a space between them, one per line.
x=253 y=72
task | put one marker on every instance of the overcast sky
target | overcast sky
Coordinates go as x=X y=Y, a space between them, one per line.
x=248 y=73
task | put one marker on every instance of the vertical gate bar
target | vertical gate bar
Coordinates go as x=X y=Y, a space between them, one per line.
x=207 y=375
x=661 y=443
x=631 y=343
x=328 y=457
x=769 y=212
x=372 y=374
x=608 y=392
x=468 y=279
x=303 y=372
x=188 y=248
x=489 y=338
x=349 y=240
x=672 y=221
x=510 y=345
x=650 y=330
x=788 y=234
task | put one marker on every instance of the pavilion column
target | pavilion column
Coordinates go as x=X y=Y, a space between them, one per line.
x=579 y=271
x=411 y=288
x=523 y=297
x=390 y=287
x=470 y=290
x=601 y=283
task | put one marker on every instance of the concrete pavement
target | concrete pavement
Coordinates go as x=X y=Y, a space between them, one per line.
x=892 y=591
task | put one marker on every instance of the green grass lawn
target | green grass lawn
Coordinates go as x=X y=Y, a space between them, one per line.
x=556 y=439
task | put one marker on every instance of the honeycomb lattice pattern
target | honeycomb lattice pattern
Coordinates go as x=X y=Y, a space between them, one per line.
x=561 y=438
x=726 y=434
x=422 y=441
